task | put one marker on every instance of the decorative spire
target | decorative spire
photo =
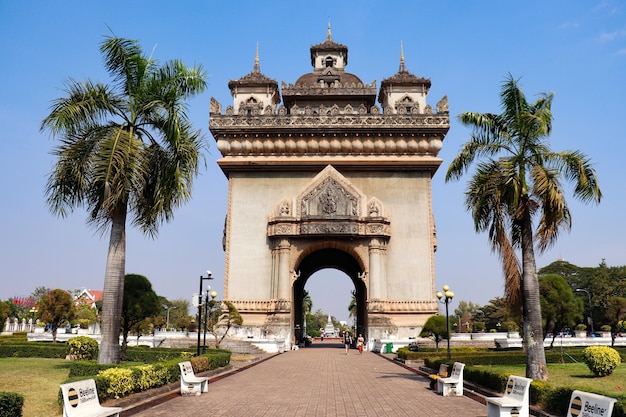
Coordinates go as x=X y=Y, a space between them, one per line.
x=402 y=66
x=329 y=37
x=257 y=67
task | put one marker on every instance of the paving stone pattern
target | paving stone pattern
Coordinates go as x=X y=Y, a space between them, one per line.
x=320 y=381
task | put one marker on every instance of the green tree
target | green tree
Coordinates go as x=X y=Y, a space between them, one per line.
x=125 y=150
x=498 y=312
x=85 y=316
x=464 y=314
x=307 y=303
x=352 y=307
x=559 y=307
x=140 y=302
x=39 y=292
x=222 y=315
x=435 y=328
x=518 y=179
x=56 y=309
x=616 y=312
x=5 y=310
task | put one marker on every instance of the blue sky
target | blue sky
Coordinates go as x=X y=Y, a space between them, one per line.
x=575 y=48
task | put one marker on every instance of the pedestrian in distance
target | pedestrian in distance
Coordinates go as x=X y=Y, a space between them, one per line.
x=359 y=343
x=347 y=341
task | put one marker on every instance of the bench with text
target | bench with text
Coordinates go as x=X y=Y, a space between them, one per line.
x=452 y=385
x=80 y=399
x=514 y=402
x=190 y=384
x=586 y=404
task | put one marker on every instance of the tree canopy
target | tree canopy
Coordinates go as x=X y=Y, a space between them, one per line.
x=126 y=150
x=517 y=181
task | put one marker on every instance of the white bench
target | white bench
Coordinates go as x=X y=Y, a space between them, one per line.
x=443 y=372
x=190 y=384
x=588 y=404
x=515 y=399
x=452 y=385
x=80 y=399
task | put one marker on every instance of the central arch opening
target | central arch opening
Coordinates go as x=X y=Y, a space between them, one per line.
x=337 y=261
x=330 y=291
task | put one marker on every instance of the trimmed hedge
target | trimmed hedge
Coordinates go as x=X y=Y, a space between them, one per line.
x=554 y=400
x=147 y=354
x=11 y=404
x=33 y=350
x=116 y=381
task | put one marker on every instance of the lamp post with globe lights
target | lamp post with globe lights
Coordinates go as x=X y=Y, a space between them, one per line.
x=447 y=296
x=198 y=302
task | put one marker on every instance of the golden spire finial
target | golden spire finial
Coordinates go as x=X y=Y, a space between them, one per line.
x=329 y=37
x=402 y=66
x=257 y=67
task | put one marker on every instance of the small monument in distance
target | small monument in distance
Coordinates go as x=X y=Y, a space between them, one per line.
x=329 y=330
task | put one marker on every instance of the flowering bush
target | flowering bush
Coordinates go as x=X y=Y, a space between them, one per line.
x=601 y=360
x=119 y=382
x=82 y=348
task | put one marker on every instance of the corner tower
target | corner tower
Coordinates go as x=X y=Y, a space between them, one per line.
x=330 y=180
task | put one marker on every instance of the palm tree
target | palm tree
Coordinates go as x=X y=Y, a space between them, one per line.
x=352 y=307
x=517 y=180
x=307 y=303
x=125 y=149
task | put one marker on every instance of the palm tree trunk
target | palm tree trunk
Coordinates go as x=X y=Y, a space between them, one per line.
x=533 y=330
x=113 y=295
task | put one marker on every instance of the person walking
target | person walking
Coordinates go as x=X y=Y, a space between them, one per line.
x=347 y=341
x=359 y=343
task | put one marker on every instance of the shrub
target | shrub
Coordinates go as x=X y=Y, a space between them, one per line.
x=605 y=328
x=11 y=404
x=33 y=350
x=120 y=382
x=89 y=369
x=510 y=326
x=601 y=360
x=82 y=348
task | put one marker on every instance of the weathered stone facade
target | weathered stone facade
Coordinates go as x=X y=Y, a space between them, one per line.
x=329 y=179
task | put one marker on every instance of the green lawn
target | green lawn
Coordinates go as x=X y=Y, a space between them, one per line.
x=576 y=376
x=37 y=380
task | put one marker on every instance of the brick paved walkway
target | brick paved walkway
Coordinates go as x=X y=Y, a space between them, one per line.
x=320 y=381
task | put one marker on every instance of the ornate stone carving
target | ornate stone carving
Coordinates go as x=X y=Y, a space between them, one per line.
x=215 y=107
x=329 y=199
x=442 y=105
x=324 y=228
x=329 y=205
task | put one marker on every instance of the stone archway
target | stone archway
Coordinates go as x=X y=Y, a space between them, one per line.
x=330 y=257
x=329 y=178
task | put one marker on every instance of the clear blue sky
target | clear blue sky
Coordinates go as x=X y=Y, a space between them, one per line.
x=575 y=48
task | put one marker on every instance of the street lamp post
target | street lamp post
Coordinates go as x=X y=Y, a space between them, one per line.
x=208 y=309
x=590 y=314
x=33 y=311
x=167 y=321
x=208 y=277
x=447 y=296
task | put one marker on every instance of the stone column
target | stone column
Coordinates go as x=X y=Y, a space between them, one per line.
x=377 y=289
x=284 y=278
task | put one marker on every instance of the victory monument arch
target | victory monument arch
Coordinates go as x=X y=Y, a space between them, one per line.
x=326 y=178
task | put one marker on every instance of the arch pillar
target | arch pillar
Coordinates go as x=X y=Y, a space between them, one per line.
x=284 y=277
x=377 y=276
